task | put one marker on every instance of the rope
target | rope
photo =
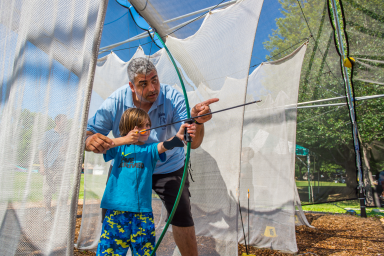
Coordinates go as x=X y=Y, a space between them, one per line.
x=145 y=6
x=136 y=123
x=299 y=42
x=306 y=21
x=194 y=19
x=116 y=19
x=320 y=114
x=305 y=18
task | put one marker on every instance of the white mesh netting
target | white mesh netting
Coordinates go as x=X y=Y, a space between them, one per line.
x=251 y=149
x=268 y=153
x=47 y=51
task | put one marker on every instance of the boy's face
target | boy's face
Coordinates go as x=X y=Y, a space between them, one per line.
x=144 y=137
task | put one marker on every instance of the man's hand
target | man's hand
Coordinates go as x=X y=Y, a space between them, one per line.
x=98 y=143
x=42 y=169
x=201 y=109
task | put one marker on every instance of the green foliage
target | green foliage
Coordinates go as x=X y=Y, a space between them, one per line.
x=27 y=121
x=326 y=131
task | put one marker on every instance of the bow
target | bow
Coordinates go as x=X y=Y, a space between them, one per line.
x=186 y=156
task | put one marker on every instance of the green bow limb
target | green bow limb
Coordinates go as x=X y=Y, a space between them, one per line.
x=187 y=155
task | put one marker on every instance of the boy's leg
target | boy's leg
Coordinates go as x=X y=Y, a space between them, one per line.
x=115 y=234
x=143 y=237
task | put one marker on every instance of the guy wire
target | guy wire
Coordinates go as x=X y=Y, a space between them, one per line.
x=305 y=18
x=134 y=145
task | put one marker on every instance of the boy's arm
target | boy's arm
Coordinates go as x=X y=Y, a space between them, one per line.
x=131 y=138
x=177 y=141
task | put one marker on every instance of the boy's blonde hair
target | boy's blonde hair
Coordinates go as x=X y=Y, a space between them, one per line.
x=132 y=117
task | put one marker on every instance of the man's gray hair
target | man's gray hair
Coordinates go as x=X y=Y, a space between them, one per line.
x=141 y=66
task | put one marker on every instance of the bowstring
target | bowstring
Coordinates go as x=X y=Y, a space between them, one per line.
x=136 y=123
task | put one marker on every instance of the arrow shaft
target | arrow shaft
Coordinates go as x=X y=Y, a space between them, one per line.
x=214 y=112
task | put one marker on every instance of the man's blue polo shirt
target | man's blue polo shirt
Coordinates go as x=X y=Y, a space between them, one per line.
x=168 y=108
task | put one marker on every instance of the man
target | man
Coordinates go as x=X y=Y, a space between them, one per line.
x=52 y=154
x=164 y=105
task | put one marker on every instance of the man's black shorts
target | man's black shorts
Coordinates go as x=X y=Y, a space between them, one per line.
x=166 y=187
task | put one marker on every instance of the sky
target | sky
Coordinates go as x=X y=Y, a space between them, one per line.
x=118 y=26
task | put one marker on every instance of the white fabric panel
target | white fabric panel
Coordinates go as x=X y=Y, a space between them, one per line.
x=105 y=83
x=46 y=53
x=212 y=64
x=221 y=47
x=156 y=13
x=268 y=154
x=95 y=178
x=213 y=60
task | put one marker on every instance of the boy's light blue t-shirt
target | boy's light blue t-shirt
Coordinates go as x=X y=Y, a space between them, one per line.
x=129 y=187
x=168 y=108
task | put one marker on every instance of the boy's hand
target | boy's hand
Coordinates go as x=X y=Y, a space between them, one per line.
x=191 y=129
x=133 y=136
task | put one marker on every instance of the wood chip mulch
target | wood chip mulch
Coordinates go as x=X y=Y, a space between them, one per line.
x=332 y=235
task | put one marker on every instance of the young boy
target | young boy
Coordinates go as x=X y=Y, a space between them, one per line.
x=128 y=194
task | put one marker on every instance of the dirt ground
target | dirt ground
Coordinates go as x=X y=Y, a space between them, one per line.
x=333 y=235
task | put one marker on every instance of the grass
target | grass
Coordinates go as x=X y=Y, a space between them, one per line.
x=320 y=184
x=81 y=192
x=340 y=207
x=96 y=186
x=96 y=192
x=35 y=192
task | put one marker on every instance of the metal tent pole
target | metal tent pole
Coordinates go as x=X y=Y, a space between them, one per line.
x=309 y=178
x=352 y=111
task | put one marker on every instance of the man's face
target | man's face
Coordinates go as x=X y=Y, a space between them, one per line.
x=146 y=87
x=62 y=124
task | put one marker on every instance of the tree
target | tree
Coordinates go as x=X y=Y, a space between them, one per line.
x=325 y=131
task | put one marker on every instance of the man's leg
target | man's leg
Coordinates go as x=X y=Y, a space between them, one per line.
x=167 y=187
x=185 y=239
x=47 y=192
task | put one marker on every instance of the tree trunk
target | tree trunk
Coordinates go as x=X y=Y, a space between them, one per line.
x=372 y=199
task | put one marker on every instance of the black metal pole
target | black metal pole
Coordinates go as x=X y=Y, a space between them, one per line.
x=242 y=224
x=248 y=218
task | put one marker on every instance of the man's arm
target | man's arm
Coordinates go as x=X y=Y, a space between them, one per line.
x=199 y=136
x=201 y=109
x=41 y=162
x=97 y=143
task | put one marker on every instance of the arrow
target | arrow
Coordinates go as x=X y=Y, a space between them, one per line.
x=193 y=118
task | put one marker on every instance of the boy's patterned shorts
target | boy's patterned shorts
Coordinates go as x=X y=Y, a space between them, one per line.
x=122 y=230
